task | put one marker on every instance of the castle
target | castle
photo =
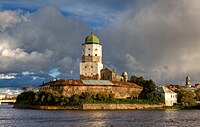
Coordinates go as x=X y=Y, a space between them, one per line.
x=93 y=77
x=91 y=66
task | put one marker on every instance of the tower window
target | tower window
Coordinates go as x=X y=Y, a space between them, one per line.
x=91 y=66
x=95 y=54
x=85 y=66
x=89 y=49
x=88 y=54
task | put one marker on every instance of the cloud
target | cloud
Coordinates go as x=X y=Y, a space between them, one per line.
x=9 y=18
x=155 y=39
x=158 y=34
x=46 y=40
x=9 y=76
x=132 y=64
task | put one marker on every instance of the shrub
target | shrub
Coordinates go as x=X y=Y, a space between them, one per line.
x=74 y=99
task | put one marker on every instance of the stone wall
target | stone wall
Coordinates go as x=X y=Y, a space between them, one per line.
x=92 y=77
x=93 y=107
x=120 y=106
x=92 y=58
x=70 y=87
x=119 y=92
x=107 y=74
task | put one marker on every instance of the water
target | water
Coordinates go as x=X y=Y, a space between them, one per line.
x=10 y=117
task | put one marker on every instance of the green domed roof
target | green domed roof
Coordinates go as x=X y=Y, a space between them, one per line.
x=91 y=39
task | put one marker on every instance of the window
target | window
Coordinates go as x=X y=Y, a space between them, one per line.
x=95 y=49
x=89 y=49
x=85 y=73
x=95 y=54
x=91 y=66
x=88 y=54
x=91 y=73
x=85 y=66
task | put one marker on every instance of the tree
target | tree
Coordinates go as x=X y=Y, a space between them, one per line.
x=134 y=79
x=187 y=96
x=155 y=97
x=149 y=86
x=26 y=97
x=197 y=95
x=139 y=81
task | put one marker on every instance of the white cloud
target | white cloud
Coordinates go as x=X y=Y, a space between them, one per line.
x=9 y=18
x=4 y=76
x=44 y=41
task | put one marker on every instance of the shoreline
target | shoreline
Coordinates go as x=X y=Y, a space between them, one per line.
x=104 y=107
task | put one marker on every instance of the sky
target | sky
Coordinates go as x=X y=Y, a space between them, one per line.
x=156 y=39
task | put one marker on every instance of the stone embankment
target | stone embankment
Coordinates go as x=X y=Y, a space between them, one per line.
x=120 y=106
x=93 y=107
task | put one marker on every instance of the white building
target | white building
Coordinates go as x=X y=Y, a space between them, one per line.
x=2 y=96
x=91 y=64
x=169 y=96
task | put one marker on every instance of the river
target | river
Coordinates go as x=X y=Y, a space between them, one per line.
x=11 y=117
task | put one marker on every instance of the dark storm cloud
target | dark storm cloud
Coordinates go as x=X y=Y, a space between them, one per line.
x=154 y=38
x=161 y=36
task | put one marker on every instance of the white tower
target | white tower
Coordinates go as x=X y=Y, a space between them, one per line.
x=91 y=64
x=188 y=82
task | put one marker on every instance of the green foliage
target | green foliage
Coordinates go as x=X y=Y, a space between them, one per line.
x=197 y=98
x=186 y=96
x=26 y=97
x=54 y=99
x=102 y=97
x=155 y=97
x=74 y=100
x=148 y=86
x=139 y=81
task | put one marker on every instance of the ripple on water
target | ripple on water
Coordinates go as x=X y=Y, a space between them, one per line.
x=126 y=118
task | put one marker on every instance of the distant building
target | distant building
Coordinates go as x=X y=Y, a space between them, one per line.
x=28 y=88
x=172 y=87
x=169 y=96
x=107 y=74
x=2 y=96
x=188 y=82
x=197 y=85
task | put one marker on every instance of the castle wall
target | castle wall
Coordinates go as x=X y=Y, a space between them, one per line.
x=119 y=92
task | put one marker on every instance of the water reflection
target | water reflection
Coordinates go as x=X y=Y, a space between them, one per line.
x=95 y=119
x=73 y=118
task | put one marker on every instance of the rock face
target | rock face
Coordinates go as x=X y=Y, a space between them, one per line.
x=68 y=88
